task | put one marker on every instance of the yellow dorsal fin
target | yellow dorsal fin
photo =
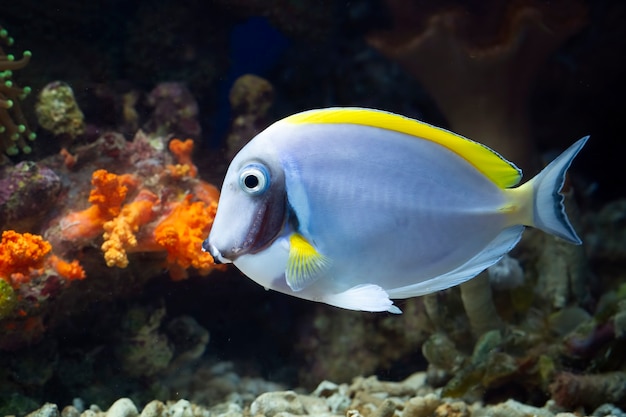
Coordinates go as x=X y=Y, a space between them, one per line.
x=490 y=163
x=305 y=263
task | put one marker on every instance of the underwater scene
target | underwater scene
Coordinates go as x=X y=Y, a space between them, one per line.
x=283 y=208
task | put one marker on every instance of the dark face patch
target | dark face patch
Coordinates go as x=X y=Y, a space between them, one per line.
x=268 y=221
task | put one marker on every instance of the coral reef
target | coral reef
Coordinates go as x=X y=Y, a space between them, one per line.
x=170 y=210
x=155 y=204
x=15 y=134
x=58 y=112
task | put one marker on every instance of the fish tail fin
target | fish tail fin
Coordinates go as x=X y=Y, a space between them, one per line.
x=548 y=211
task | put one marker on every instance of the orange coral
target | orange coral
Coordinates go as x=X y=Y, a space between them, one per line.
x=182 y=151
x=109 y=191
x=24 y=256
x=69 y=160
x=179 y=171
x=119 y=233
x=181 y=234
x=68 y=270
x=21 y=252
x=108 y=194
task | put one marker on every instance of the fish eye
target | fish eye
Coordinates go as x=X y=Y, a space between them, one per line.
x=254 y=179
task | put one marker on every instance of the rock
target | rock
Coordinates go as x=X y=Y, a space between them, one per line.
x=272 y=403
x=182 y=408
x=70 y=411
x=512 y=408
x=153 y=409
x=48 y=410
x=326 y=389
x=123 y=407
x=421 y=406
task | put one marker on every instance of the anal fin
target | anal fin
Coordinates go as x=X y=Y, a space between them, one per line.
x=364 y=297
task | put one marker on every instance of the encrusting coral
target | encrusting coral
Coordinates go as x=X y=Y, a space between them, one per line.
x=14 y=131
x=181 y=233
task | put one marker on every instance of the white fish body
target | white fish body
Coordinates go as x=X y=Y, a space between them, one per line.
x=358 y=208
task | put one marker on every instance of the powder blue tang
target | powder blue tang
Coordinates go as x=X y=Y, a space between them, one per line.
x=354 y=207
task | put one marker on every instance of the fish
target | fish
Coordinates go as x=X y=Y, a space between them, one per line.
x=356 y=207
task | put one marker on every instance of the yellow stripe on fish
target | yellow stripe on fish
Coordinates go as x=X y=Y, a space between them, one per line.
x=490 y=163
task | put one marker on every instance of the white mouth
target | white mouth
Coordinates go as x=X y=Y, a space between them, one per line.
x=217 y=256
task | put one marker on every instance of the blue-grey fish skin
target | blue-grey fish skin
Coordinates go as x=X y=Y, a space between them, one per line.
x=397 y=211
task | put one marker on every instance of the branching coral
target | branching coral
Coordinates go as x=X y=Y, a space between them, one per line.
x=68 y=270
x=14 y=131
x=182 y=151
x=119 y=233
x=108 y=193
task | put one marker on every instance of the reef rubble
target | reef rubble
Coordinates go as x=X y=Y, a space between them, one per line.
x=364 y=397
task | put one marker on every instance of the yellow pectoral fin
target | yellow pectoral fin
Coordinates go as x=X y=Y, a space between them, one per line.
x=305 y=263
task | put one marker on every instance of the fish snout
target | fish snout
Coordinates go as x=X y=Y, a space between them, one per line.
x=215 y=253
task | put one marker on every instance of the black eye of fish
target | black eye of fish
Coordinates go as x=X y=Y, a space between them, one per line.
x=251 y=181
x=254 y=179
